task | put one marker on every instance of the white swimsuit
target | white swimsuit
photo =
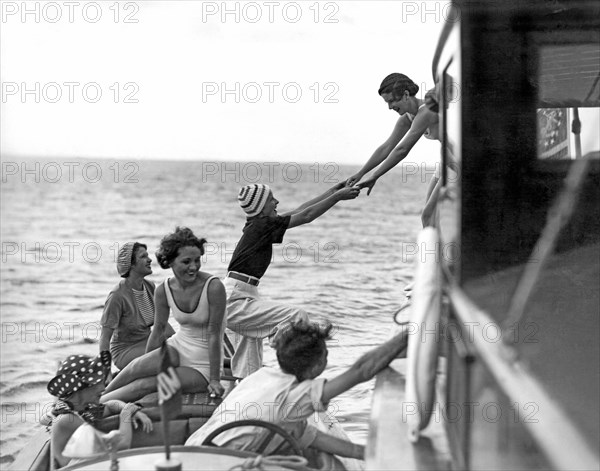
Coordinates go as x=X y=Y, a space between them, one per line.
x=430 y=133
x=191 y=340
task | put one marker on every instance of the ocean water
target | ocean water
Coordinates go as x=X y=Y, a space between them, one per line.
x=62 y=222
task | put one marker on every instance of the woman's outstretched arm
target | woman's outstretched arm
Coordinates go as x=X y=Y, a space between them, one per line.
x=423 y=120
x=366 y=366
x=161 y=319
x=216 y=301
x=400 y=129
x=316 y=200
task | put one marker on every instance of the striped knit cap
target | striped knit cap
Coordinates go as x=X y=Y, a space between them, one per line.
x=124 y=258
x=252 y=198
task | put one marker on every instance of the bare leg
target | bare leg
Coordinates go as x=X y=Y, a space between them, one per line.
x=191 y=381
x=141 y=367
x=133 y=352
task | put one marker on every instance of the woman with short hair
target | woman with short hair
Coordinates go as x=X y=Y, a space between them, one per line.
x=197 y=301
x=129 y=309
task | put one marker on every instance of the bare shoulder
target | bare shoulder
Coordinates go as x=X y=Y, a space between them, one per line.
x=426 y=114
x=215 y=287
x=159 y=292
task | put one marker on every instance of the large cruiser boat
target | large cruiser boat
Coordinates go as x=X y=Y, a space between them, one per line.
x=515 y=340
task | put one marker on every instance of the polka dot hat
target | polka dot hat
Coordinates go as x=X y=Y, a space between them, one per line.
x=78 y=372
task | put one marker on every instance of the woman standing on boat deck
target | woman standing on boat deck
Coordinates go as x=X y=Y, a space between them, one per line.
x=251 y=317
x=129 y=309
x=78 y=384
x=197 y=300
x=417 y=118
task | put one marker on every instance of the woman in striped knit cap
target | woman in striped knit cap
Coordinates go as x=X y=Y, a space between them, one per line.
x=251 y=317
x=129 y=309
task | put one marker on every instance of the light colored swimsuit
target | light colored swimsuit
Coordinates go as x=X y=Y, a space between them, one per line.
x=191 y=340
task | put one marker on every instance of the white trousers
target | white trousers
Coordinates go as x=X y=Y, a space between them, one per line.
x=250 y=320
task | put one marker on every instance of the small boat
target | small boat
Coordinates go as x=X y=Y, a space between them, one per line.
x=196 y=409
x=505 y=370
x=147 y=450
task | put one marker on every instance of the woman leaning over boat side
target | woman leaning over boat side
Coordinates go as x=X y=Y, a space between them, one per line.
x=78 y=384
x=417 y=118
x=197 y=300
x=129 y=309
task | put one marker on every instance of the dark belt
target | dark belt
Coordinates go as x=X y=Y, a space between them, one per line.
x=245 y=278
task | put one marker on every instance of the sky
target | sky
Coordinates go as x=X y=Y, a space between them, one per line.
x=246 y=81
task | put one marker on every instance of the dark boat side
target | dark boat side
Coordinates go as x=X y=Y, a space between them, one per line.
x=532 y=354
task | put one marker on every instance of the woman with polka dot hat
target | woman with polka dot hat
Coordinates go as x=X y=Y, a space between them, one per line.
x=78 y=385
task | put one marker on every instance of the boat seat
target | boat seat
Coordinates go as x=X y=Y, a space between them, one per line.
x=195 y=410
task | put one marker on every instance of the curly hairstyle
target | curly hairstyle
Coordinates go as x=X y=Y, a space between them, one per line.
x=396 y=84
x=300 y=347
x=171 y=243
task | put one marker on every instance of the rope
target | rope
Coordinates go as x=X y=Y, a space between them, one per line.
x=262 y=463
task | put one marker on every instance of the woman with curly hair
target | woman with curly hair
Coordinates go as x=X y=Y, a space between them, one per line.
x=197 y=301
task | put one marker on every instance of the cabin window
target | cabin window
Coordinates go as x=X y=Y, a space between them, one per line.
x=568 y=84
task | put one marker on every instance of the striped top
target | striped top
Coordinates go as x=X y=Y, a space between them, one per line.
x=144 y=303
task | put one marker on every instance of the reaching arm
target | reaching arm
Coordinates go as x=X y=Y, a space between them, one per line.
x=400 y=129
x=111 y=318
x=105 y=336
x=316 y=200
x=216 y=302
x=366 y=366
x=337 y=446
x=423 y=120
x=161 y=319
x=311 y=213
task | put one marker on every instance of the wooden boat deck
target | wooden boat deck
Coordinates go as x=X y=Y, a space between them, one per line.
x=388 y=446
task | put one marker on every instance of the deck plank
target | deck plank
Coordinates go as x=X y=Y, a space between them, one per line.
x=388 y=447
